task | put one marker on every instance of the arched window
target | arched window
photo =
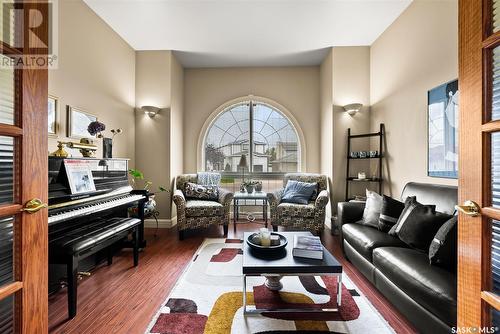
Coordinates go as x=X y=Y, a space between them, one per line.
x=252 y=137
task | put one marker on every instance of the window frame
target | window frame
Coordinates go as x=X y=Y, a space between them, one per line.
x=252 y=100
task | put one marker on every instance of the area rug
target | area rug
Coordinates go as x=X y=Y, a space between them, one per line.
x=207 y=298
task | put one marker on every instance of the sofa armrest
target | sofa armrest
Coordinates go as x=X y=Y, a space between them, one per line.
x=322 y=199
x=225 y=196
x=349 y=212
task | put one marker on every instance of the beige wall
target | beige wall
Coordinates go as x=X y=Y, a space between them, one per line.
x=176 y=119
x=153 y=88
x=326 y=123
x=351 y=84
x=96 y=73
x=416 y=53
x=295 y=88
x=159 y=140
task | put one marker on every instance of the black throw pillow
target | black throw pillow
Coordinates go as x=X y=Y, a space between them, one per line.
x=443 y=248
x=390 y=212
x=418 y=224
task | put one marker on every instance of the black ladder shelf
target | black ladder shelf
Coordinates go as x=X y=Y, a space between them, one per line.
x=378 y=179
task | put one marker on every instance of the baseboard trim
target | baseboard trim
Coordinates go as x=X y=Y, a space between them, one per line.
x=162 y=223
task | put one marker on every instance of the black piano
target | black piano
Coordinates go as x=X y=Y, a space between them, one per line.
x=85 y=229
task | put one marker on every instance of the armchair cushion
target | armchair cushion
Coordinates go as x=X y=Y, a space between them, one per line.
x=298 y=192
x=320 y=180
x=198 y=191
x=297 y=210
x=200 y=208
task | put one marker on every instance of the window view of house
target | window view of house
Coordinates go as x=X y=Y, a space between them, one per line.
x=273 y=141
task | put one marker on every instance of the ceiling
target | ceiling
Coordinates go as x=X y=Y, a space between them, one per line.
x=236 y=33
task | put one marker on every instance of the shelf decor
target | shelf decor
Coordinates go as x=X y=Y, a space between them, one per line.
x=373 y=154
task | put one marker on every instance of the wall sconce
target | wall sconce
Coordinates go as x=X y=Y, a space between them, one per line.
x=352 y=108
x=151 y=111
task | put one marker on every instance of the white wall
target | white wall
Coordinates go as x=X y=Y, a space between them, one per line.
x=96 y=73
x=419 y=51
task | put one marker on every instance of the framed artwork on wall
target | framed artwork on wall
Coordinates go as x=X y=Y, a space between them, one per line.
x=78 y=121
x=443 y=111
x=53 y=115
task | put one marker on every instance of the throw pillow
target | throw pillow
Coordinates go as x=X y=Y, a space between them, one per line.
x=373 y=205
x=418 y=225
x=298 y=192
x=443 y=248
x=197 y=191
x=390 y=212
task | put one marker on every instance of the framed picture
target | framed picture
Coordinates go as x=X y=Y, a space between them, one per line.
x=443 y=109
x=78 y=121
x=53 y=115
x=80 y=177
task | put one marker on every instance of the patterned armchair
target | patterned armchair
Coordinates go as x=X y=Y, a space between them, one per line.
x=194 y=213
x=309 y=216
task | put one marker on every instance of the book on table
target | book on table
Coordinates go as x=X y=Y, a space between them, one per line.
x=308 y=247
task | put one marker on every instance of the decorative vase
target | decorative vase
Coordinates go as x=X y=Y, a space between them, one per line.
x=258 y=186
x=107 y=148
x=249 y=189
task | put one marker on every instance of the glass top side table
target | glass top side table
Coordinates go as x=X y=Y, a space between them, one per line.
x=257 y=198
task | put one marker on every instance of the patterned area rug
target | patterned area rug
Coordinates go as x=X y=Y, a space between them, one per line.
x=207 y=298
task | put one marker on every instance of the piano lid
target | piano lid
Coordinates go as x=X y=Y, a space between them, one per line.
x=108 y=174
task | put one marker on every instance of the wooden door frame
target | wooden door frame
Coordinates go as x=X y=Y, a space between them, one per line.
x=476 y=43
x=30 y=286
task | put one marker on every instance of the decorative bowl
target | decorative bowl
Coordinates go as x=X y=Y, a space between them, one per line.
x=257 y=247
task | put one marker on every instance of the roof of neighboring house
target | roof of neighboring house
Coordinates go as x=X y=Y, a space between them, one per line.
x=243 y=141
x=288 y=145
x=292 y=157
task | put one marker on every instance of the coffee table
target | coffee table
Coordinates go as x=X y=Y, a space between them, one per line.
x=285 y=264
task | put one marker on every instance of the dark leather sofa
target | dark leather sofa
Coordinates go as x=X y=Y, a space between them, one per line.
x=424 y=293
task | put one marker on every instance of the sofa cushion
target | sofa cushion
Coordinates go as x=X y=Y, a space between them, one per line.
x=198 y=208
x=372 y=208
x=296 y=210
x=418 y=225
x=365 y=239
x=432 y=287
x=443 y=248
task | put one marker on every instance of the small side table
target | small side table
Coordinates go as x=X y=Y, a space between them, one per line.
x=257 y=198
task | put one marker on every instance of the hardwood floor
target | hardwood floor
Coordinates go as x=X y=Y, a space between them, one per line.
x=123 y=299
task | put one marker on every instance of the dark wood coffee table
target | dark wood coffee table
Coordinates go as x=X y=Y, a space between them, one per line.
x=281 y=264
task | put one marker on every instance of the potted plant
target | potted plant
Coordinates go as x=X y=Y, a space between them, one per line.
x=249 y=185
x=143 y=186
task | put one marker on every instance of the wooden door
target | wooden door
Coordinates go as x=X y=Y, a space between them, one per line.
x=479 y=180
x=23 y=172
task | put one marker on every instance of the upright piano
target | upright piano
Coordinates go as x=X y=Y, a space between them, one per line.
x=94 y=213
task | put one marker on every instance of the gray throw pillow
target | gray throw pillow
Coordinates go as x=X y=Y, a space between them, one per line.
x=198 y=191
x=372 y=209
x=443 y=248
x=298 y=192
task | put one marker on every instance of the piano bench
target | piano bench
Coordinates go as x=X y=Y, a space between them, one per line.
x=76 y=246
